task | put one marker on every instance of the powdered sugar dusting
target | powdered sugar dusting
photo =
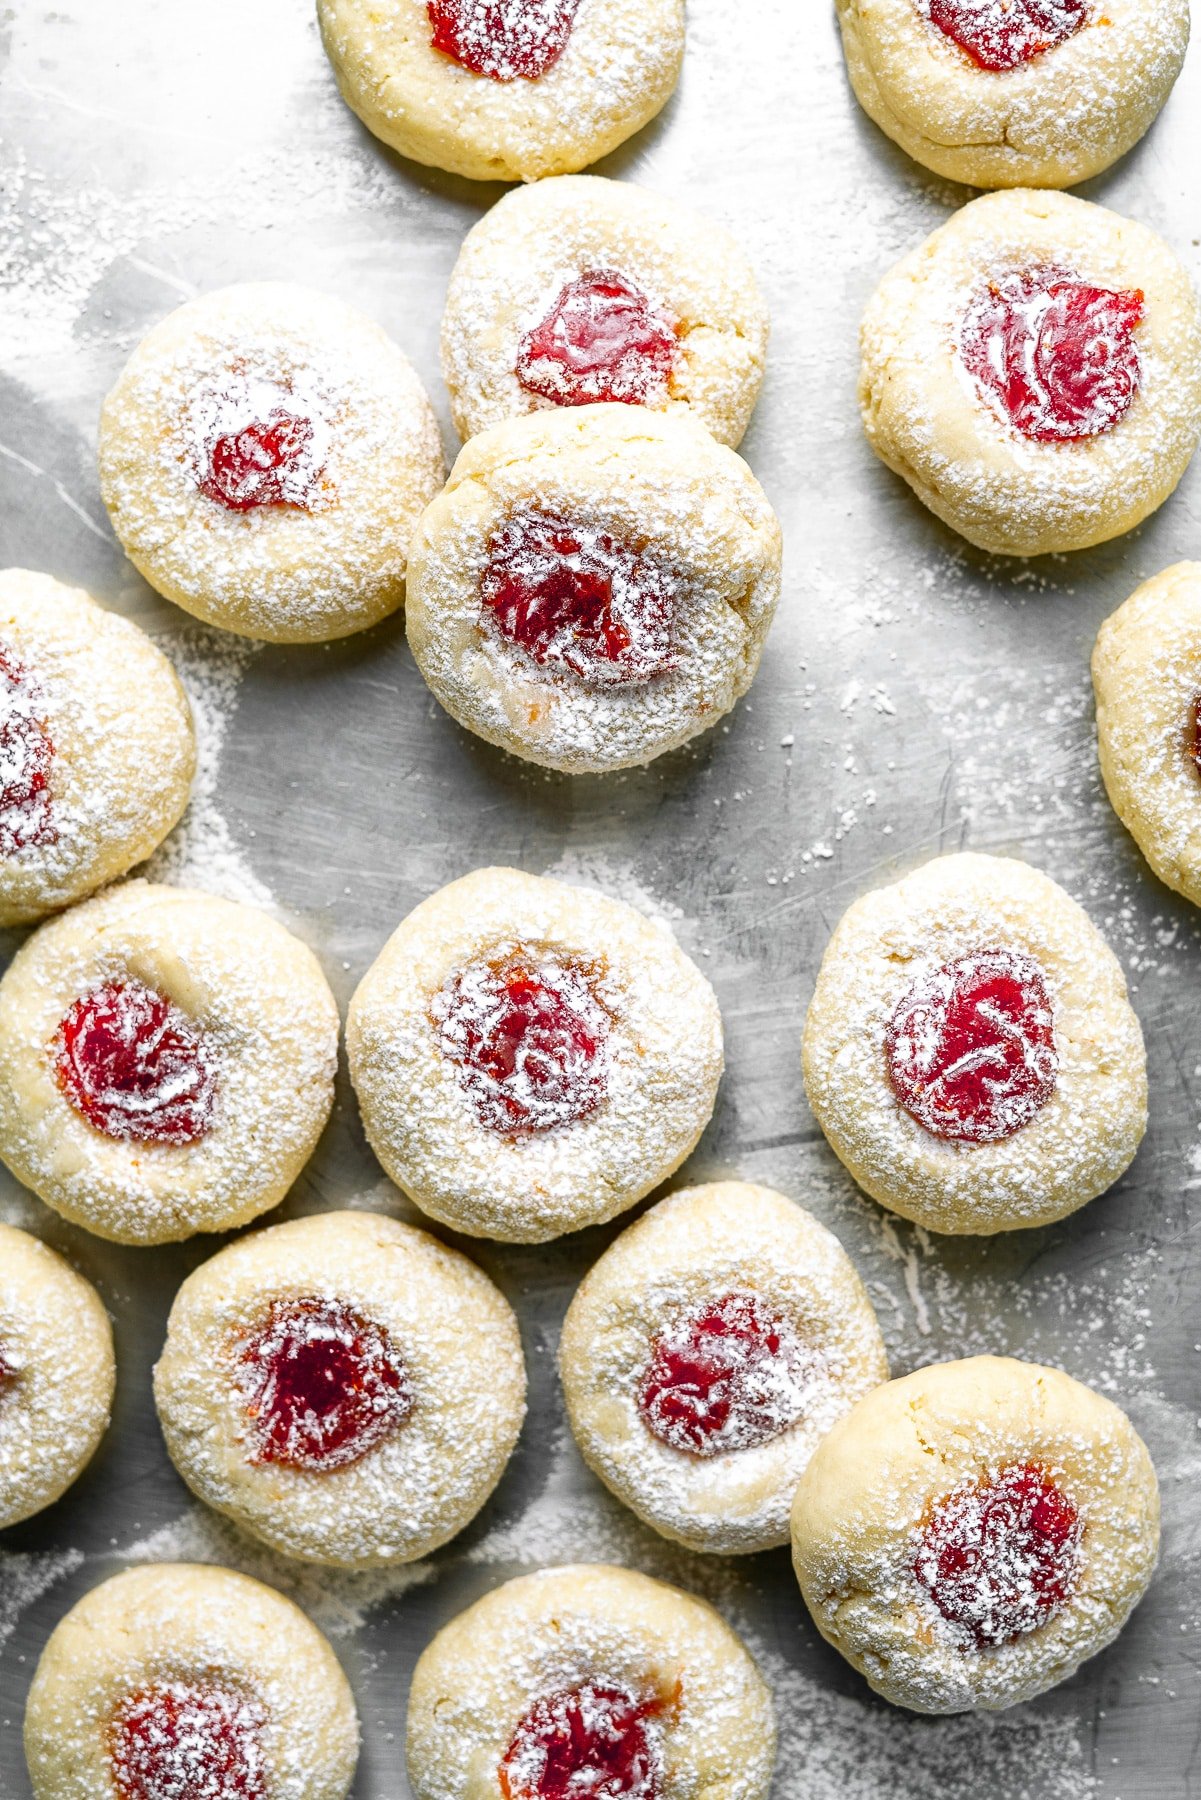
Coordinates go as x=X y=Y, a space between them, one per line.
x=202 y=851
x=339 y=1601
x=27 y=1575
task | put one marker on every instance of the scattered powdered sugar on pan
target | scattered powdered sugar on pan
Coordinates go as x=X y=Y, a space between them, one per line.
x=850 y=1747
x=201 y=851
x=25 y=1575
x=338 y=1600
x=19 y=1207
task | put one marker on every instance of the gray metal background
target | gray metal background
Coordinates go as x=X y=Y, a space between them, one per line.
x=915 y=697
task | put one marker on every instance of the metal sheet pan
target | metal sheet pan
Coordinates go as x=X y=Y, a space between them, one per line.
x=915 y=697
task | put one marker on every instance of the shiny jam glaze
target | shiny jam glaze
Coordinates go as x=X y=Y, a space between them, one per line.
x=1003 y=34
x=574 y=597
x=322 y=1384
x=506 y=40
x=260 y=464
x=601 y=341
x=527 y=1034
x=136 y=1066
x=970 y=1048
x=1056 y=356
x=594 y=1742
x=26 y=756
x=727 y=1376
x=999 y=1558
x=188 y=1741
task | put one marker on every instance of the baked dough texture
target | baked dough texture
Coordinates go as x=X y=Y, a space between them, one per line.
x=651 y=479
x=618 y=69
x=662 y=1060
x=881 y=1472
x=925 y=415
x=536 y=240
x=1147 y=677
x=56 y=1375
x=458 y=1342
x=1049 y=123
x=684 y=1255
x=561 y=1628
x=332 y=559
x=123 y=755
x=1082 y=1138
x=181 y=1623
x=265 y=1012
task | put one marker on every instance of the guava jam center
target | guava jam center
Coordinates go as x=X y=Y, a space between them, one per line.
x=601 y=340
x=1195 y=733
x=136 y=1066
x=999 y=1558
x=527 y=1034
x=595 y=1742
x=322 y=1385
x=1057 y=356
x=970 y=1048
x=259 y=465
x=26 y=753
x=728 y=1376
x=188 y=1741
x=1003 y=34
x=574 y=597
x=506 y=40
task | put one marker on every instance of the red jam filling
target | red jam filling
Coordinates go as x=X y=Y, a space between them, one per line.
x=727 y=1377
x=1003 y=34
x=528 y=1037
x=261 y=464
x=26 y=754
x=601 y=340
x=999 y=1558
x=1195 y=733
x=7 y=1371
x=322 y=1385
x=595 y=1742
x=1057 y=356
x=570 y=595
x=506 y=40
x=135 y=1065
x=188 y=1741
x=970 y=1048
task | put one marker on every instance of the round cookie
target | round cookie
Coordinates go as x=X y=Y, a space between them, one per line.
x=531 y=1058
x=57 y=1375
x=967 y=1536
x=580 y=290
x=343 y=1386
x=264 y=456
x=99 y=751
x=970 y=1051
x=177 y=1679
x=1147 y=676
x=707 y=1353
x=167 y=1063
x=504 y=93
x=639 y=1688
x=594 y=585
x=1033 y=371
x=1014 y=93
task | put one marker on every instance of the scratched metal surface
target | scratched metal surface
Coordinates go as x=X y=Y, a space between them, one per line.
x=915 y=697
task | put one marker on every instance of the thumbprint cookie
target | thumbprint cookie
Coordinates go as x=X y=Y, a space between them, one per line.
x=531 y=1058
x=971 y=1053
